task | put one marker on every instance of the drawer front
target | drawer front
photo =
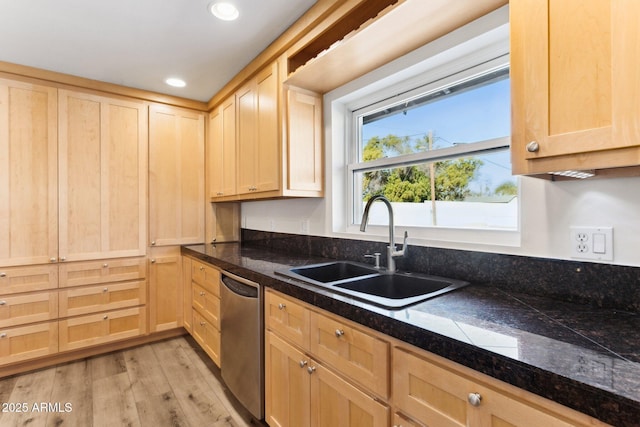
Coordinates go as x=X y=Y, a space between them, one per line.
x=287 y=318
x=206 y=276
x=85 y=331
x=110 y=296
x=28 y=279
x=21 y=309
x=353 y=352
x=103 y=271
x=27 y=342
x=207 y=304
x=207 y=336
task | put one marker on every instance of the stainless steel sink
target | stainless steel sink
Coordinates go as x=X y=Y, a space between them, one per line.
x=389 y=290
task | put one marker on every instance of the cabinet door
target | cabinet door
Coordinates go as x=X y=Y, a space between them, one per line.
x=206 y=276
x=28 y=174
x=176 y=176
x=574 y=92
x=165 y=289
x=354 y=353
x=102 y=176
x=221 y=150
x=304 y=140
x=258 y=135
x=335 y=402
x=287 y=384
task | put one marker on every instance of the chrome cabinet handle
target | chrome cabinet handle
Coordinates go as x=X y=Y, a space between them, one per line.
x=62 y=258
x=303 y=363
x=52 y=259
x=3 y=303
x=202 y=323
x=533 y=146
x=311 y=369
x=105 y=317
x=105 y=265
x=3 y=335
x=153 y=261
x=3 y=274
x=474 y=399
x=105 y=290
x=339 y=333
x=282 y=306
x=202 y=294
x=153 y=243
x=201 y=268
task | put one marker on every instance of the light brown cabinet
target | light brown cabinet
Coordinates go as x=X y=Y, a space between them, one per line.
x=277 y=141
x=102 y=150
x=574 y=92
x=176 y=176
x=29 y=341
x=221 y=151
x=28 y=173
x=165 y=289
x=205 y=307
x=317 y=380
x=258 y=133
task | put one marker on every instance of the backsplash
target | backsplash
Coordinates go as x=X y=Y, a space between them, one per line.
x=601 y=285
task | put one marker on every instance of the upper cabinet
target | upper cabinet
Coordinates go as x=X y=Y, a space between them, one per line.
x=102 y=148
x=176 y=176
x=575 y=92
x=270 y=136
x=28 y=173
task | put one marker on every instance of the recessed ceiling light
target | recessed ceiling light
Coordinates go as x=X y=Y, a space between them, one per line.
x=175 y=82
x=225 y=11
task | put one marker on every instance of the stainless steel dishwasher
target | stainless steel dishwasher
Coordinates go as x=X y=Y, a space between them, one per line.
x=242 y=341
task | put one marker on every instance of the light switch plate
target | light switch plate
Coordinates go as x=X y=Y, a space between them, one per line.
x=595 y=243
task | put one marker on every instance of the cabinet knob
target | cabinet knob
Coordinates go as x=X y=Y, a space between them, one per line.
x=52 y=259
x=153 y=260
x=105 y=290
x=533 y=147
x=303 y=363
x=219 y=193
x=105 y=265
x=474 y=399
x=202 y=323
x=62 y=258
x=339 y=332
x=201 y=268
x=153 y=243
x=282 y=306
x=3 y=303
x=105 y=317
x=3 y=274
x=311 y=369
x=202 y=294
x=3 y=335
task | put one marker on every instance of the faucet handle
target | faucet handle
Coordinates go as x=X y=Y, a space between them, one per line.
x=376 y=255
x=403 y=251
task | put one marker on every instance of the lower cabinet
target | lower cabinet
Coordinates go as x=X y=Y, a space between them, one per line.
x=207 y=335
x=302 y=392
x=101 y=328
x=165 y=289
x=26 y=342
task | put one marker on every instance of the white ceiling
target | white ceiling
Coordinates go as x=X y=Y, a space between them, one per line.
x=139 y=43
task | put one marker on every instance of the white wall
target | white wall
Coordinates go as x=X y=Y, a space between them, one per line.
x=547 y=209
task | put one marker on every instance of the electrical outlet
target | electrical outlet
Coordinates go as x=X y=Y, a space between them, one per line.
x=594 y=243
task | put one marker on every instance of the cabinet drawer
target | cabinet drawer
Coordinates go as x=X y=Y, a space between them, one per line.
x=207 y=336
x=110 y=296
x=103 y=271
x=20 y=309
x=288 y=318
x=84 y=331
x=207 y=304
x=26 y=342
x=353 y=352
x=206 y=276
x=27 y=279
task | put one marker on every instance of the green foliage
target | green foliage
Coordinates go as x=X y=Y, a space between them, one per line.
x=413 y=183
x=507 y=188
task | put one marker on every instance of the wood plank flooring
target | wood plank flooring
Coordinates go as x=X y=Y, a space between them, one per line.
x=167 y=383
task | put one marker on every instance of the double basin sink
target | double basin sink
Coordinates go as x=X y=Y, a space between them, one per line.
x=389 y=290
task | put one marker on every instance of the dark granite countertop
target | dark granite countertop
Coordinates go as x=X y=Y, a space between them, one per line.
x=582 y=357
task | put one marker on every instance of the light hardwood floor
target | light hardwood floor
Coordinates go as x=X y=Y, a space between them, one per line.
x=168 y=383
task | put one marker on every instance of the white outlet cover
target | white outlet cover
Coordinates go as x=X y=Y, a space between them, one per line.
x=581 y=243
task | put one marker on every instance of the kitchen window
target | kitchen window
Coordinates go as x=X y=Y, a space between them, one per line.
x=431 y=132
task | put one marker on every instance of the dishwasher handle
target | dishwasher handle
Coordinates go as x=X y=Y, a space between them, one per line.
x=240 y=288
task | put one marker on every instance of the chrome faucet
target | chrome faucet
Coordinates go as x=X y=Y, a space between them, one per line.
x=391 y=249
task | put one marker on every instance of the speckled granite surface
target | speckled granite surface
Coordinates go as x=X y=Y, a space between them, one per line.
x=583 y=356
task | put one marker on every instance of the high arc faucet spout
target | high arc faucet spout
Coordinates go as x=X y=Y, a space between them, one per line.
x=391 y=249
